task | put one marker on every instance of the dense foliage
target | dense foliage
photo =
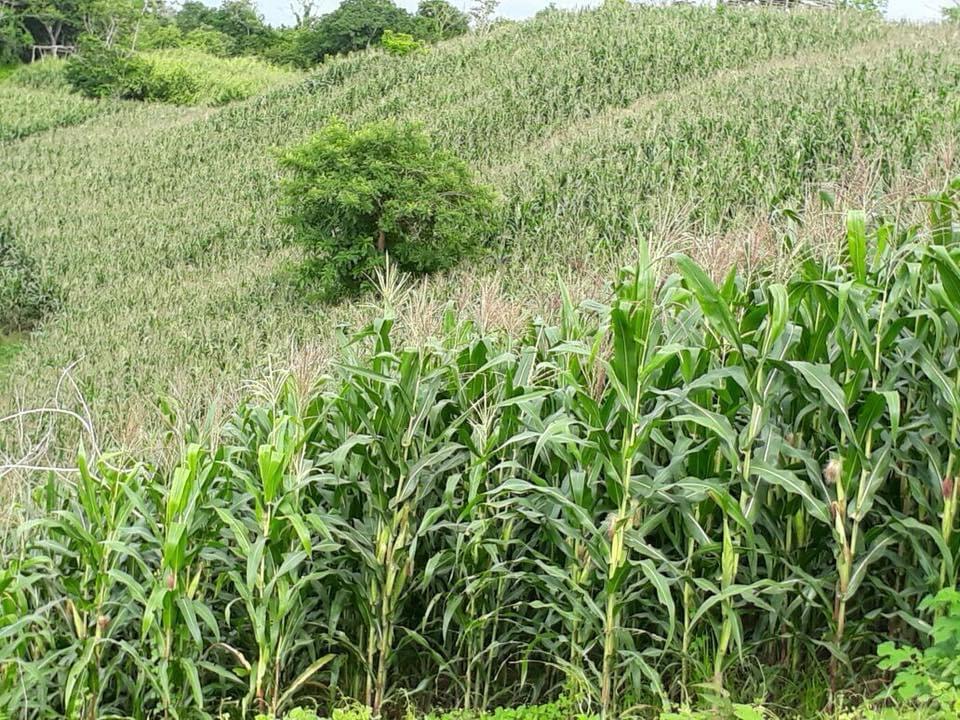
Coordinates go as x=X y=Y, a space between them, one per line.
x=358 y=24
x=179 y=76
x=640 y=505
x=232 y=28
x=357 y=195
x=399 y=43
x=102 y=71
x=931 y=675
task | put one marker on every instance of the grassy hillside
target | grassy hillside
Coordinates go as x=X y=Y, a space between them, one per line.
x=161 y=225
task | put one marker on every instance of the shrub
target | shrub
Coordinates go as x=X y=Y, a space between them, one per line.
x=355 y=195
x=397 y=43
x=24 y=298
x=931 y=675
x=562 y=709
x=209 y=41
x=159 y=36
x=100 y=71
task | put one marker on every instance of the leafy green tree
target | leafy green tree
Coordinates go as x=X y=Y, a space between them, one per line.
x=238 y=20
x=952 y=14
x=209 y=41
x=60 y=23
x=14 y=38
x=355 y=195
x=439 y=20
x=193 y=14
x=355 y=25
x=51 y=22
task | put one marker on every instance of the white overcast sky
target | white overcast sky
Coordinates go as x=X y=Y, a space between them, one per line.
x=277 y=12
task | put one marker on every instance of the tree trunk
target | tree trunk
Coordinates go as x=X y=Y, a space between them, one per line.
x=381 y=241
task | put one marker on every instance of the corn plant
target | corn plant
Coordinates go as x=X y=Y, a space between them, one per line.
x=272 y=572
x=633 y=507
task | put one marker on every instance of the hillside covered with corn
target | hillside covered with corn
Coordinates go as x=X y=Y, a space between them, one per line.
x=680 y=440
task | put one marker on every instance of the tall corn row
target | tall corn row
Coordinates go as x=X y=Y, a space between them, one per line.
x=639 y=505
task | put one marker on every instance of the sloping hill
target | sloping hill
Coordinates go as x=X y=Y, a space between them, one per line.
x=162 y=229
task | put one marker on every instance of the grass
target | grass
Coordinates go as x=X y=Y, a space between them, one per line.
x=25 y=110
x=173 y=215
x=191 y=77
x=10 y=345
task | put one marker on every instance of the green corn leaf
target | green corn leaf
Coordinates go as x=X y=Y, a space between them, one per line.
x=790 y=482
x=857 y=244
x=714 y=307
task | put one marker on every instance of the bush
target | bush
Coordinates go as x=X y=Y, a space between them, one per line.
x=159 y=36
x=209 y=41
x=192 y=77
x=100 y=71
x=24 y=298
x=355 y=195
x=931 y=675
x=397 y=43
x=562 y=709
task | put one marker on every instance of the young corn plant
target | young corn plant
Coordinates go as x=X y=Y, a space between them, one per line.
x=177 y=623
x=274 y=560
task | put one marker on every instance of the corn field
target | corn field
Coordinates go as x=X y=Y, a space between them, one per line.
x=641 y=504
x=591 y=125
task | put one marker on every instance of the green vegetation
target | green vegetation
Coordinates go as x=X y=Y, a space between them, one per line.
x=10 y=345
x=358 y=195
x=234 y=28
x=177 y=217
x=178 y=76
x=42 y=75
x=358 y=24
x=24 y=111
x=36 y=97
x=647 y=503
x=399 y=43
x=24 y=297
x=932 y=676
x=636 y=421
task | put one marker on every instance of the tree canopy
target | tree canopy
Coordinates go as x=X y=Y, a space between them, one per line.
x=356 y=194
x=235 y=27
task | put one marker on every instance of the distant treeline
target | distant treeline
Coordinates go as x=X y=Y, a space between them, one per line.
x=30 y=29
